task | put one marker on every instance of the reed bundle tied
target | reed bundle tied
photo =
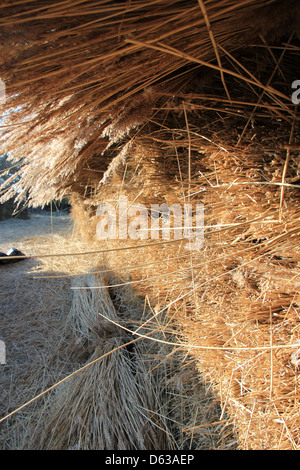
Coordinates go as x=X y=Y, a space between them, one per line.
x=170 y=102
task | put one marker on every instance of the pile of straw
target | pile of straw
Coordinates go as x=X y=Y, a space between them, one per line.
x=174 y=102
x=108 y=405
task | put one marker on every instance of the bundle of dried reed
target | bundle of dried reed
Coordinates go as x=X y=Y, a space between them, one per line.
x=173 y=102
x=109 y=404
x=80 y=78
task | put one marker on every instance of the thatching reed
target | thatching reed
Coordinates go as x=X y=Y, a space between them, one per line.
x=109 y=404
x=73 y=380
x=172 y=102
x=79 y=78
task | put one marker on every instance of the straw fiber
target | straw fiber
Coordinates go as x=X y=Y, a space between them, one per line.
x=173 y=102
